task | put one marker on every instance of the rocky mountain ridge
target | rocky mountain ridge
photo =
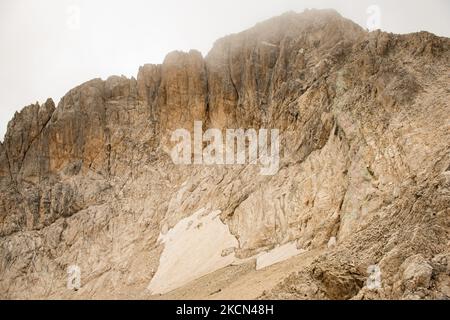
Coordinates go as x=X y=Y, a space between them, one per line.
x=363 y=180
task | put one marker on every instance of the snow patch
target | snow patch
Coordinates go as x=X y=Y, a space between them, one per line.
x=277 y=254
x=194 y=247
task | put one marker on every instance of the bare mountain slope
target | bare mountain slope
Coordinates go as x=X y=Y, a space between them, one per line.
x=363 y=180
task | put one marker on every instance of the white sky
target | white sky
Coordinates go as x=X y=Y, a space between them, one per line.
x=44 y=52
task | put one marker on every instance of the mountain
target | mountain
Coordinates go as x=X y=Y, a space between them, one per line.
x=358 y=208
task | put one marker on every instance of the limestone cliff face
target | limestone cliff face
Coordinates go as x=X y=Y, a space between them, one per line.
x=365 y=124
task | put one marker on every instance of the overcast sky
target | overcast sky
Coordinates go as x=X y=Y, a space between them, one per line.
x=49 y=46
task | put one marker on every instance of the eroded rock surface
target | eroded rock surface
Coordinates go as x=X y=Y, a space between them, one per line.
x=365 y=125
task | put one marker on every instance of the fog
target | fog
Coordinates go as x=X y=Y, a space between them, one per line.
x=50 y=46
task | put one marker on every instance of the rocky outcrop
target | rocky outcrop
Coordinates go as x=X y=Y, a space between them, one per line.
x=364 y=121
